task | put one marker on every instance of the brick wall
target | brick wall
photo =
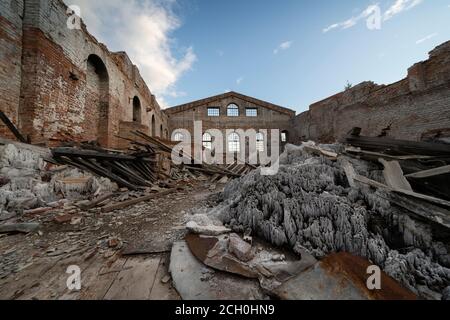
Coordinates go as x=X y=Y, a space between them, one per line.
x=59 y=93
x=11 y=13
x=413 y=108
x=269 y=116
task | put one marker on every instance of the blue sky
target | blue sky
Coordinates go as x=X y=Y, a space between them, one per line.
x=278 y=50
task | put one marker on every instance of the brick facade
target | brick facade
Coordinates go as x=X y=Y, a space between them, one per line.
x=269 y=116
x=61 y=84
x=414 y=108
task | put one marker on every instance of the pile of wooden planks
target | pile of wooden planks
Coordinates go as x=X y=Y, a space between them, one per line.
x=134 y=171
x=142 y=166
x=417 y=174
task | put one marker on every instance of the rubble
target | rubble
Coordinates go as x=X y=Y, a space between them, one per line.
x=310 y=205
x=194 y=281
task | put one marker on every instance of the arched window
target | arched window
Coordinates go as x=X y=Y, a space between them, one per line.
x=233 y=110
x=136 y=110
x=234 y=142
x=207 y=141
x=179 y=137
x=161 y=131
x=260 y=142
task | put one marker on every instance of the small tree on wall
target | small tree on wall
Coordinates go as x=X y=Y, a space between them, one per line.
x=348 y=86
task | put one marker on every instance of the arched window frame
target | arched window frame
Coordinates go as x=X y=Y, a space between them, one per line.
x=178 y=137
x=207 y=141
x=233 y=110
x=234 y=142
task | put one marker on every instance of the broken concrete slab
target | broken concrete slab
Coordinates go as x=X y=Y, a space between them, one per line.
x=340 y=276
x=187 y=272
x=209 y=230
x=213 y=252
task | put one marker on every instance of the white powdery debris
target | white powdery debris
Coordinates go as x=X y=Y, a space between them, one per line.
x=26 y=190
x=14 y=157
x=309 y=204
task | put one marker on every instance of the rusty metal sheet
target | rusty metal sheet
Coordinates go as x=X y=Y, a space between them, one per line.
x=340 y=276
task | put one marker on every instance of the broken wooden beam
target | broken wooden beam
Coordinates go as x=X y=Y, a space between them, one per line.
x=393 y=174
x=429 y=173
x=377 y=184
x=132 y=202
x=12 y=128
x=403 y=147
x=98 y=201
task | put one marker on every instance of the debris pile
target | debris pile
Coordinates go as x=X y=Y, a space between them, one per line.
x=146 y=163
x=316 y=204
x=205 y=266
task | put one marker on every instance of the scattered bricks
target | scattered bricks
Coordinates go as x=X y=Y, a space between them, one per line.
x=38 y=211
x=64 y=218
x=241 y=249
x=113 y=243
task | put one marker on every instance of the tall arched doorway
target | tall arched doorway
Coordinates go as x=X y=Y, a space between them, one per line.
x=137 y=110
x=97 y=101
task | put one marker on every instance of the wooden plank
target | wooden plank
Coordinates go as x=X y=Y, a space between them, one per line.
x=98 y=201
x=376 y=184
x=321 y=152
x=99 y=278
x=349 y=172
x=132 y=202
x=425 y=210
x=403 y=147
x=136 y=281
x=430 y=173
x=160 y=290
x=377 y=155
x=393 y=174
x=12 y=127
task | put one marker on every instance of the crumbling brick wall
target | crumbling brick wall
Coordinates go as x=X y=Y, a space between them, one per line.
x=69 y=86
x=410 y=109
x=11 y=14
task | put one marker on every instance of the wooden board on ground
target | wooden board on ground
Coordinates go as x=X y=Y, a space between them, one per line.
x=99 y=278
x=160 y=290
x=136 y=280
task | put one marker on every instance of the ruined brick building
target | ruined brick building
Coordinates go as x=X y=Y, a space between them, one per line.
x=59 y=84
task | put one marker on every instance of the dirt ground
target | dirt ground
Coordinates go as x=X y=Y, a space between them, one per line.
x=122 y=255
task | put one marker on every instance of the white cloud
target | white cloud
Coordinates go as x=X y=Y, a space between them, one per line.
x=239 y=80
x=352 y=21
x=283 y=46
x=142 y=29
x=428 y=37
x=396 y=8
x=399 y=6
